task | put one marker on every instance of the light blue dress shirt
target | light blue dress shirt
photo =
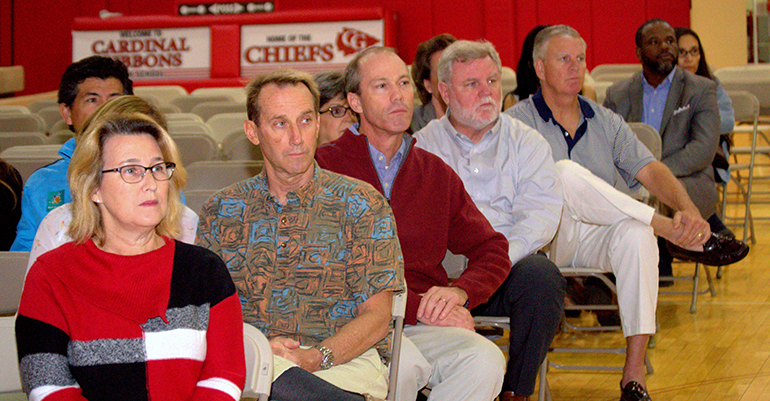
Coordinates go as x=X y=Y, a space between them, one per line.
x=654 y=100
x=386 y=171
x=510 y=175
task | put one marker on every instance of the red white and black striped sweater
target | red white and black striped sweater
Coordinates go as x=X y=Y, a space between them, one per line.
x=165 y=325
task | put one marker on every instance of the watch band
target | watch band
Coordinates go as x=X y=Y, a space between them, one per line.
x=328 y=357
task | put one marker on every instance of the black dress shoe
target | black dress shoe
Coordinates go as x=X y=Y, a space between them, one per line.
x=633 y=391
x=719 y=250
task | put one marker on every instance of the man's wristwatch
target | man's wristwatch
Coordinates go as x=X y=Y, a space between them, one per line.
x=328 y=357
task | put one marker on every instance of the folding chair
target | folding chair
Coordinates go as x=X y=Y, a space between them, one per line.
x=27 y=159
x=60 y=136
x=10 y=380
x=178 y=127
x=196 y=198
x=614 y=72
x=11 y=109
x=51 y=116
x=167 y=109
x=59 y=126
x=31 y=151
x=11 y=139
x=238 y=93
x=27 y=165
x=215 y=175
x=508 y=79
x=40 y=104
x=236 y=146
x=223 y=124
x=164 y=93
x=13 y=266
x=196 y=147
x=746 y=108
x=650 y=137
x=183 y=117
x=259 y=363
x=22 y=123
x=753 y=78
x=601 y=90
x=187 y=102
x=207 y=110
x=398 y=313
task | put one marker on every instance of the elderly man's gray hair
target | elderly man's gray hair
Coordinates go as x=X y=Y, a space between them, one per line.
x=544 y=37
x=465 y=51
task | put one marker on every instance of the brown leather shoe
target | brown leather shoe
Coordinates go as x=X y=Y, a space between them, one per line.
x=510 y=396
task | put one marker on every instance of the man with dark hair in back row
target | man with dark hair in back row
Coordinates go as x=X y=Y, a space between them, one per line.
x=85 y=85
x=682 y=107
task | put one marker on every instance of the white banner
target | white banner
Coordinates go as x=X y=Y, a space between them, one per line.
x=311 y=47
x=169 y=53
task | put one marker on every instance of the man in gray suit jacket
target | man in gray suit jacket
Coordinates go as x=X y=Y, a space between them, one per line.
x=683 y=108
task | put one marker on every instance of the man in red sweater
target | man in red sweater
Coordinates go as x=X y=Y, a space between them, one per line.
x=435 y=214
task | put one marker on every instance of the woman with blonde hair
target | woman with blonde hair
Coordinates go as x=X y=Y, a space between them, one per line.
x=52 y=231
x=124 y=311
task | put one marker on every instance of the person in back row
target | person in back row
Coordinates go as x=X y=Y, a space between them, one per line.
x=424 y=78
x=682 y=107
x=336 y=115
x=84 y=86
x=692 y=58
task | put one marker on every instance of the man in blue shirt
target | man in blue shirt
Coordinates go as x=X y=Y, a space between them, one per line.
x=84 y=86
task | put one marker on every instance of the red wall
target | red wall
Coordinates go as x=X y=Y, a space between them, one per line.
x=42 y=42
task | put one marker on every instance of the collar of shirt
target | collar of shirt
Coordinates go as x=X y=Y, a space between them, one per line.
x=386 y=171
x=654 y=100
x=462 y=140
x=547 y=115
x=302 y=197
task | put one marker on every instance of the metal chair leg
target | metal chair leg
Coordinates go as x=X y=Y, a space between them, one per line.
x=695 y=280
x=544 y=392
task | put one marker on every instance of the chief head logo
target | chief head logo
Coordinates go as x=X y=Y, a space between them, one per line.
x=352 y=40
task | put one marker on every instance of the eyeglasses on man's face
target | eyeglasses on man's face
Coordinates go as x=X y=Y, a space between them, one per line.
x=337 y=111
x=134 y=173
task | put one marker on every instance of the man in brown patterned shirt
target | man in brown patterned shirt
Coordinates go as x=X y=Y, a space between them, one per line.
x=314 y=254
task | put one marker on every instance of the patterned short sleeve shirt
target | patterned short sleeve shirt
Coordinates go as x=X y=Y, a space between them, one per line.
x=302 y=268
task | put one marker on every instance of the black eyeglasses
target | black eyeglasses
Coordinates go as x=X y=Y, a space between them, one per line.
x=694 y=52
x=337 y=111
x=134 y=173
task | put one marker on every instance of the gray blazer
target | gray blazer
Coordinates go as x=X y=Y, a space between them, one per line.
x=689 y=130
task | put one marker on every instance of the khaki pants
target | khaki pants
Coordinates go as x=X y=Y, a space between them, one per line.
x=363 y=375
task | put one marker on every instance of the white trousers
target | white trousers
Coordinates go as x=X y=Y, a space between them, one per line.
x=464 y=365
x=604 y=228
x=413 y=371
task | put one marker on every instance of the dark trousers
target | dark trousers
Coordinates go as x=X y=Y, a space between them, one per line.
x=297 y=384
x=533 y=298
x=664 y=264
